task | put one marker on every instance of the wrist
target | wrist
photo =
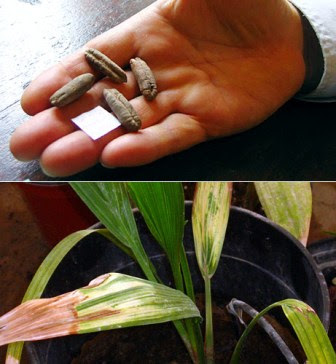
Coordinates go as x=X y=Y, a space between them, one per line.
x=312 y=56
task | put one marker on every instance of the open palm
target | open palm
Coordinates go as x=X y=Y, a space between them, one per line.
x=221 y=66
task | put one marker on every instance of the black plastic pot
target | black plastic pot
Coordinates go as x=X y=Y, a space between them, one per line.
x=261 y=263
x=324 y=254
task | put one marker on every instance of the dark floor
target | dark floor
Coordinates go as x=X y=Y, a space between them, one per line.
x=23 y=246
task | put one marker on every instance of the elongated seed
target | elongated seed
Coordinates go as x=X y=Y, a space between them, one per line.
x=105 y=65
x=122 y=109
x=144 y=77
x=73 y=90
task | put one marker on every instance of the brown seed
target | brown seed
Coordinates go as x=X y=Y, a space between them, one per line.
x=122 y=109
x=73 y=90
x=144 y=77
x=105 y=65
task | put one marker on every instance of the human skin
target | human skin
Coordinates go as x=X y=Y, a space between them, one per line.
x=222 y=67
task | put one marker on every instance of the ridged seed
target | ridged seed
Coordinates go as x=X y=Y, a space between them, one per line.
x=122 y=109
x=144 y=77
x=73 y=90
x=105 y=65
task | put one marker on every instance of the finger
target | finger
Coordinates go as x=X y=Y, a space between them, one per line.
x=173 y=134
x=74 y=153
x=117 y=43
x=77 y=151
x=32 y=137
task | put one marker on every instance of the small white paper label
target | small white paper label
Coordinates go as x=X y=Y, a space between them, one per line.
x=96 y=122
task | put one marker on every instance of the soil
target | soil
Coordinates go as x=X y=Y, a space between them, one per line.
x=161 y=344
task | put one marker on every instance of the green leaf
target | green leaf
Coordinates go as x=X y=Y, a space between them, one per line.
x=310 y=331
x=109 y=201
x=45 y=271
x=162 y=206
x=110 y=301
x=288 y=204
x=307 y=326
x=210 y=215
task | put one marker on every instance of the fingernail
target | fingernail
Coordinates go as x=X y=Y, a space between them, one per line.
x=47 y=173
x=109 y=167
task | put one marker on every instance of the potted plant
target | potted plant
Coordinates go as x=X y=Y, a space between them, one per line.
x=257 y=257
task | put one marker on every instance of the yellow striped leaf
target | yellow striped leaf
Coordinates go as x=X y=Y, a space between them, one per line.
x=289 y=204
x=210 y=215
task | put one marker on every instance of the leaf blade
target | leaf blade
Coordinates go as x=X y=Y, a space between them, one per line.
x=109 y=201
x=210 y=216
x=309 y=328
x=110 y=301
x=162 y=206
x=288 y=204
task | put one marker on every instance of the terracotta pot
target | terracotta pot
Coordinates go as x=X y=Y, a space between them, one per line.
x=57 y=209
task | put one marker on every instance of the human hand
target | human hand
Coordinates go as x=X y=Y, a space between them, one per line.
x=221 y=67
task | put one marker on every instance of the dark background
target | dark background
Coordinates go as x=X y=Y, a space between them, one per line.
x=296 y=143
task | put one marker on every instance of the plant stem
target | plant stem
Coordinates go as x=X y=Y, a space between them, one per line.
x=192 y=348
x=184 y=336
x=187 y=275
x=209 y=341
x=177 y=276
x=190 y=292
x=193 y=328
